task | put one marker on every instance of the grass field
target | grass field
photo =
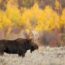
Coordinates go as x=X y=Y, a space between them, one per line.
x=43 y=56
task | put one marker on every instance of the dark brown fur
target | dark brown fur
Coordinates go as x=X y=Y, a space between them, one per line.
x=18 y=46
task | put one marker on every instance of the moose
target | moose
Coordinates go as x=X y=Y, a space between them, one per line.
x=18 y=46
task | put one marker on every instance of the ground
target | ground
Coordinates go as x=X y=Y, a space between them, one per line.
x=43 y=56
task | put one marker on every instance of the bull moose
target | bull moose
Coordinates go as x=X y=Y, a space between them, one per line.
x=18 y=46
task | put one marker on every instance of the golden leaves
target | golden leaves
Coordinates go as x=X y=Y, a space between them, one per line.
x=33 y=18
x=57 y=4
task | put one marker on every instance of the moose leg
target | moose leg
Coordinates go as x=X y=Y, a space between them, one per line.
x=22 y=52
x=1 y=51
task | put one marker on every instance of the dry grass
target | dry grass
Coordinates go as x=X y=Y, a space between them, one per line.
x=43 y=56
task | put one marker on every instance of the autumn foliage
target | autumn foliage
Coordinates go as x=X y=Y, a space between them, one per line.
x=16 y=15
